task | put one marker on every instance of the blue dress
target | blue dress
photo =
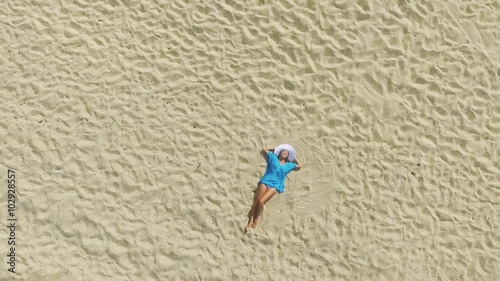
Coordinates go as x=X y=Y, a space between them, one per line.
x=275 y=174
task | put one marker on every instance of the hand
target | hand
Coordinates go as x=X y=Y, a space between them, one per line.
x=262 y=141
x=299 y=165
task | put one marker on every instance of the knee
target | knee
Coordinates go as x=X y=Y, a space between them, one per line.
x=260 y=202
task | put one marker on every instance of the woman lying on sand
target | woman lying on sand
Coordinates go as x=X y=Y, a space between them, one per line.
x=279 y=165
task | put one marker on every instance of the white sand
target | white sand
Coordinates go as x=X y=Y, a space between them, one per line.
x=134 y=129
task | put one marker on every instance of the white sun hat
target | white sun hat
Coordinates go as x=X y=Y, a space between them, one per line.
x=291 y=151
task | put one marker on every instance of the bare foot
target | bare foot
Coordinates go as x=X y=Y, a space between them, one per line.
x=247 y=229
x=250 y=223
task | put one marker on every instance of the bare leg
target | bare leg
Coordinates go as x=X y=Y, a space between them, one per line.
x=261 y=189
x=260 y=204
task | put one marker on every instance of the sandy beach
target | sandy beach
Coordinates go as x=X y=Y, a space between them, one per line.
x=131 y=133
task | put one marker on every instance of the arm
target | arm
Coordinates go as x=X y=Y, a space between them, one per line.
x=299 y=165
x=264 y=152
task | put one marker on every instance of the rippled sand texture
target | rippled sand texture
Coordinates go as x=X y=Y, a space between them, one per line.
x=135 y=129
